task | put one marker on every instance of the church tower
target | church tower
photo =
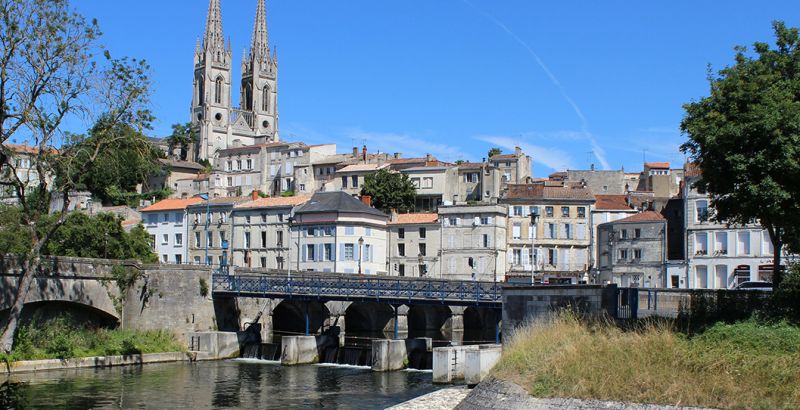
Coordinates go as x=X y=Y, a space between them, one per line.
x=211 y=101
x=259 y=92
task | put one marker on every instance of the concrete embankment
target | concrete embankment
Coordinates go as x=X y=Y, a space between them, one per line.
x=25 y=366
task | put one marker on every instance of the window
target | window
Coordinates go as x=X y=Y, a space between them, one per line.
x=178 y=239
x=197 y=239
x=581 y=212
x=548 y=211
x=354 y=180
x=637 y=233
x=516 y=231
x=247 y=240
x=279 y=262
x=263 y=218
x=401 y=233
x=249 y=164
x=263 y=262
x=367 y=231
x=153 y=242
x=623 y=234
x=310 y=252
x=453 y=221
x=178 y=258
x=401 y=249
x=702 y=211
x=310 y=231
x=344 y=182
x=280 y=238
x=166 y=217
x=302 y=187
x=485 y=240
x=565 y=211
x=551 y=231
x=701 y=243
x=486 y=220
x=567 y=231
x=164 y=258
x=263 y=239
x=165 y=239
x=422 y=249
x=328 y=252
x=196 y=260
x=422 y=233
x=415 y=182
x=218 y=90
x=552 y=257
x=221 y=237
x=427 y=182
x=401 y=269
x=637 y=254
x=265 y=100
x=516 y=257
x=349 y=230
x=349 y=252
x=623 y=254
x=423 y=269
x=517 y=211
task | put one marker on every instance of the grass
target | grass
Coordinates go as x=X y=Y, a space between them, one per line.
x=62 y=338
x=747 y=365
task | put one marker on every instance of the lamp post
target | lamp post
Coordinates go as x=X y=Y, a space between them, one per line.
x=534 y=217
x=207 y=197
x=289 y=254
x=360 y=252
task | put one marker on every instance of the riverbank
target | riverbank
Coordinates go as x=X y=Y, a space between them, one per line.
x=742 y=365
x=26 y=366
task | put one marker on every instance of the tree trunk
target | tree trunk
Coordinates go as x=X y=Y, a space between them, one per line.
x=7 y=338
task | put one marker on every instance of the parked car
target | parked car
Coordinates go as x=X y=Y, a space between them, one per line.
x=755 y=285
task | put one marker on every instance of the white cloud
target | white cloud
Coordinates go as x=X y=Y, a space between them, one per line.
x=551 y=157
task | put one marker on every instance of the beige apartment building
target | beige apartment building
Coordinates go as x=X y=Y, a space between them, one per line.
x=473 y=242
x=414 y=245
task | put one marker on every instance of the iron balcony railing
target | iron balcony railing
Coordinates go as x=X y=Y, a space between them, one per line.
x=359 y=288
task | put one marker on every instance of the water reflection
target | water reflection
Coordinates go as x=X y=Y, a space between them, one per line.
x=228 y=384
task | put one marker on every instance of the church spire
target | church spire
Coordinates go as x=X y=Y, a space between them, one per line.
x=260 y=48
x=214 y=38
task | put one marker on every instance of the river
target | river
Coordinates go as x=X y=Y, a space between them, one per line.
x=221 y=384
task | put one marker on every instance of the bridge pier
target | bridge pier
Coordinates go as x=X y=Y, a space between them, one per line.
x=454 y=326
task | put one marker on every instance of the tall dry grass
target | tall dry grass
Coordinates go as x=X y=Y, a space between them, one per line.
x=741 y=366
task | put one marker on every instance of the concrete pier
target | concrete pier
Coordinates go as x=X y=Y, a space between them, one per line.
x=464 y=363
x=299 y=350
x=219 y=345
x=388 y=355
x=480 y=361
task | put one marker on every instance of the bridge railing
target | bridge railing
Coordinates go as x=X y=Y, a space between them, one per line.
x=358 y=287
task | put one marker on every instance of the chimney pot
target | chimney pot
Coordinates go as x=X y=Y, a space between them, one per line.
x=366 y=200
x=364 y=153
x=397 y=155
x=355 y=152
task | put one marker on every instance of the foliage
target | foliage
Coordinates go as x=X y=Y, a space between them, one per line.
x=203 y=287
x=259 y=193
x=104 y=176
x=207 y=168
x=745 y=137
x=287 y=194
x=183 y=136
x=64 y=338
x=390 y=190
x=459 y=161
x=494 y=151
x=785 y=301
x=567 y=357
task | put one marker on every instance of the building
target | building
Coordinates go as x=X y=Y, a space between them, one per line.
x=562 y=237
x=431 y=183
x=632 y=251
x=514 y=168
x=166 y=221
x=336 y=232
x=475 y=182
x=350 y=179
x=414 y=245
x=608 y=208
x=210 y=230
x=24 y=158
x=185 y=178
x=601 y=182
x=473 y=242
x=721 y=256
x=260 y=236
x=220 y=125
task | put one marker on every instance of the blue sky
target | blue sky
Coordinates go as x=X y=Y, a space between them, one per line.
x=573 y=83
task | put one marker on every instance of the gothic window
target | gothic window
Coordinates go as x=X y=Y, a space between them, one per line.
x=248 y=97
x=200 y=91
x=218 y=90
x=265 y=100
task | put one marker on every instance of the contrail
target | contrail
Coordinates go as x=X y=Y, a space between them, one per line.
x=598 y=151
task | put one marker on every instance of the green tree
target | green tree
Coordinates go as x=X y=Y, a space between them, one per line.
x=183 y=136
x=48 y=74
x=390 y=190
x=494 y=151
x=745 y=137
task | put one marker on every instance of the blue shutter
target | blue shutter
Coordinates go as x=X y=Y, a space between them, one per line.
x=304 y=253
x=357 y=252
x=341 y=251
x=333 y=252
x=372 y=254
x=321 y=252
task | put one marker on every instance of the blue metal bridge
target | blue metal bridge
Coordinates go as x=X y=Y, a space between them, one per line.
x=359 y=288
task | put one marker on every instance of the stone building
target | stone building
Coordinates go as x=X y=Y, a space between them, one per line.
x=261 y=232
x=607 y=208
x=562 y=237
x=432 y=185
x=210 y=230
x=514 y=168
x=336 y=232
x=473 y=242
x=632 y=251
x=601 y=182
x=221 y=125
x=414 y=245
x=24 y=161
x=166 y=222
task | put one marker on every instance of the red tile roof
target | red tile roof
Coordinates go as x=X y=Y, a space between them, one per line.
x=657 y=165
x=612 y=202
x=27 y=149
x=646 y=216
x=417 y=218
x=172 y=204
x=275 y=202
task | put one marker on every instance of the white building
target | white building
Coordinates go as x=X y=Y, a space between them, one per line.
x=414 y=245
x=166 y=222
x=476 y=235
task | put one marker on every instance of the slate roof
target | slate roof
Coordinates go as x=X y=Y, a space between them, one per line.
x=612 y=203
x=336 y=201
x=415 y=219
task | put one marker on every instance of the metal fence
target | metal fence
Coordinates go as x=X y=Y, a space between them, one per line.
x=673 y=302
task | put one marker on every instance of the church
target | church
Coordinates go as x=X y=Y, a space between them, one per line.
x=255 y=121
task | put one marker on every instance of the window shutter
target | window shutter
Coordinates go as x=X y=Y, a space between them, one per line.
x=510 y=256
x=482 y=265
x=531 y=229
x=525 y=256
x=304 y=253
x=489 y=220
x=477 y=221
x=510 y=210
x=564 y=258
x=341 y=251
x=357 y=251
x=458 y=221
x=372 y=254
x=333 y=252
x=446 y=221
x=581 y=233
x=320 y=252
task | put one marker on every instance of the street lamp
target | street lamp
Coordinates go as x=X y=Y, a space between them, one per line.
x=360 y=252
x=289 y=254
x=534 y=217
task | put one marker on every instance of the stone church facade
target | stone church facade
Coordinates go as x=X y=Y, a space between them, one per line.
x=255 y=121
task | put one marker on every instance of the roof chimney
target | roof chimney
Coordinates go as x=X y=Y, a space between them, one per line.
x=592 y=167
x=518 y=151
x=397 y=155
x=355 y=152
x=366 y=200
x=254 y=195
x=428 y=157
x=364 y=153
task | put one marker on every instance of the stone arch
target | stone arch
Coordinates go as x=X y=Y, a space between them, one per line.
x=289 y=317
x=479 y=324
x=428 y=321
x=368 y=320
x=81 y=313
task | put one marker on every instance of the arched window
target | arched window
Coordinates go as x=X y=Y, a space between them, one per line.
x=218 y=91
x=200 y=90
x=265 y=100
x=248 y=97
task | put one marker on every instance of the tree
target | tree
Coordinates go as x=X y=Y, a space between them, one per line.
x=49 y=73
x=494 y=151
x=183 y=136
x=745 y=137
x=390 y=190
